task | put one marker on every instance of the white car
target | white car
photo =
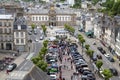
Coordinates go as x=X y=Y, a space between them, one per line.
x=53 y=77
x=36 y=40
x=42 y=37
x=106 y=55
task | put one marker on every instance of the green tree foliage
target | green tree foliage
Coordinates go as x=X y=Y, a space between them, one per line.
x=112 y=7
x=42 y=65
x=69 y=28
x=77 y=4
x=87 y=46
x=33 y=26
x=44 y=29
x=107 y=73
x=45 y=43
x=99 y=64
x=90 y=53
x=39 y=60
x=94 y=2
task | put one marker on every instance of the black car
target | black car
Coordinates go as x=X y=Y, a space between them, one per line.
x=101 y=50
x=99 y=56
x=111 y=59
x=113 y=71
x=11 y=67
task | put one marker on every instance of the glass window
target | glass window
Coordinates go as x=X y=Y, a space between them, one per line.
x=9 y=24
x=17 y=34
x=36 y=18
x=22 y=40
x=21 y=34
x=5 y=30
x=1 y=30
x=39 y=18
x=5 y=24
x=33 y=18
x=0 y=23
x=17 y=40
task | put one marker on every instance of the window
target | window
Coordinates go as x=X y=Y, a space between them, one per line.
x=1 y=30
x=17 y=34
x=10 y=30
x=9 y=24
x=21 y=34
x=5 y=30
x=42 y=18
x=33 y=18
x=36 y=18
x=46 y=18
x=5 y=24
x=39 y=18
x=0 y=23
x=17 y=40
x=22 y=40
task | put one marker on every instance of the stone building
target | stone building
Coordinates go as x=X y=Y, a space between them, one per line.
x=6 y=31
x=51 y=16
x=20 y=34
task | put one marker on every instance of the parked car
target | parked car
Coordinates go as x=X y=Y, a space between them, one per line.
x=113 y=71
x=42 y=37
x=101 y=50
x=109 y=58
x=99 y=56
x=11 y=67
x=94 y=58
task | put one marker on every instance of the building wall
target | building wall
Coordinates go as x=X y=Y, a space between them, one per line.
x=44 y=19
x=118 y=45
x=6 y=34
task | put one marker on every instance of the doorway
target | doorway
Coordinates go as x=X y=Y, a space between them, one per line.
x=52 y=24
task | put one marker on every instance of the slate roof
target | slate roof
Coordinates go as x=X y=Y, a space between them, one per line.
x=45 y=11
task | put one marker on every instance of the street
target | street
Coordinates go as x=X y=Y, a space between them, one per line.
x=106 y=62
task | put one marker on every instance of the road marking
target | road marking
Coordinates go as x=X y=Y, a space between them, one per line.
x=29 y=57
x=23 y=65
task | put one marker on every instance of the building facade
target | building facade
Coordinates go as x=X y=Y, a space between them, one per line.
x=6 y=32
x=51 y=17
x=20 y=34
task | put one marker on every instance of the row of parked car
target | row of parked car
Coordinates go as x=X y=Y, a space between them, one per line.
x=80 y=64
x=6 y=63
x=110 y=58
x=51 y=59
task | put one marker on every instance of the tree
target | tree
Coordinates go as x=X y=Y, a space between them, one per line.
x=33 y=26
x=36 y=59
x=44 y=29
x=90 y=53
x=45 y=43
x=107 y=73
x=87 y=46
x=42 y=65
x=94 y=2
x=99 y=64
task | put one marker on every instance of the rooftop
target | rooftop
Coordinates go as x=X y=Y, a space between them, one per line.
x=4 y=16
x=20 y=21
x=45 y=11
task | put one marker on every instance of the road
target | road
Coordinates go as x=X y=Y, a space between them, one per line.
x=27 y=63
x=106 y=62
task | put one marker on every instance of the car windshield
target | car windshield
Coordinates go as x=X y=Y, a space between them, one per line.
x=9 y=67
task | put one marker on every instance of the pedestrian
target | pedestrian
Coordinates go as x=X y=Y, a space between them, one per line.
x=7 y=72
x=63 y=79
x=72 y=77
x=71 y=66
